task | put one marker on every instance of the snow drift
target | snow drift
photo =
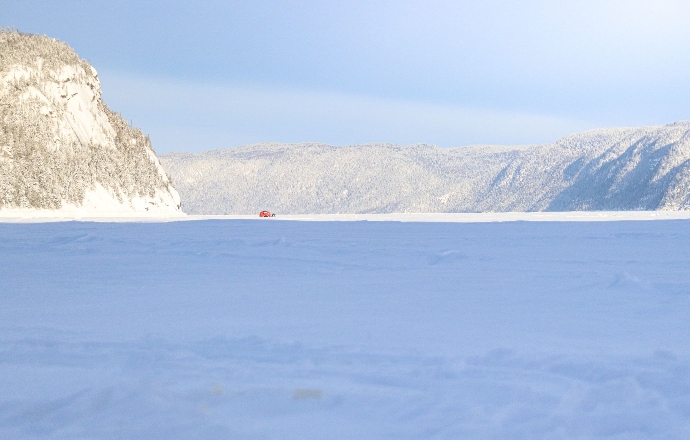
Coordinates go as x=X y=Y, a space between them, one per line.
x=61 y=147
x=610 y=169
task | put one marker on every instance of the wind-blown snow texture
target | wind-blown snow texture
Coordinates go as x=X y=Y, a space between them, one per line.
x=340 y=330
x=612 y=169
x=61 y=146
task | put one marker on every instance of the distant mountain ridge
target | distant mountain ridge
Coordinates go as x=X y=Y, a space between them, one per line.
x=645 y=168
x=61 y=146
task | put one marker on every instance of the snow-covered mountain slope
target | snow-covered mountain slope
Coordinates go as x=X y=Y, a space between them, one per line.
x=61 y=147
x=609 y=169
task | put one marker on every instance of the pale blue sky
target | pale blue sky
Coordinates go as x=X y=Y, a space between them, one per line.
x=203 y=75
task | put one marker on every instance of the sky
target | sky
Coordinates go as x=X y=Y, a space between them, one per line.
x=215 y=74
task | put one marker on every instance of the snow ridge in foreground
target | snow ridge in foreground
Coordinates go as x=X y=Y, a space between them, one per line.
x=359 y=330
x=601 y=170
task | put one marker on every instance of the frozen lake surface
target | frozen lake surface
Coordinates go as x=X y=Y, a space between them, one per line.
x=244 y=329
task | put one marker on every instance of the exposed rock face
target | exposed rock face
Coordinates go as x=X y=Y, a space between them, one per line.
x=610 y=169
x=61 y=146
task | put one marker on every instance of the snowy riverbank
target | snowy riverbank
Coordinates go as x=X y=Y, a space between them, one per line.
x=32 y=215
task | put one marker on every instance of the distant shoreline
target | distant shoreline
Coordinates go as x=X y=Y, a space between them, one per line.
x=24 y=216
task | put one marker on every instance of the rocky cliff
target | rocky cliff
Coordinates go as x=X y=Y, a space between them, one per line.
x=61 y=147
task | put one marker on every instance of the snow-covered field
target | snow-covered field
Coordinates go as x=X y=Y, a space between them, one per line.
x=243 y=329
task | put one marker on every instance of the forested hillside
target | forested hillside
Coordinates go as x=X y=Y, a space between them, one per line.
x=610 y=169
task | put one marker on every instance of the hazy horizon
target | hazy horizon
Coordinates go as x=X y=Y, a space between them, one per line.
x=214 y=75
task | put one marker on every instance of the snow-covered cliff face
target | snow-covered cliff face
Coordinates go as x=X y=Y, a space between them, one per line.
x=61 y=147
x=610 y=169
